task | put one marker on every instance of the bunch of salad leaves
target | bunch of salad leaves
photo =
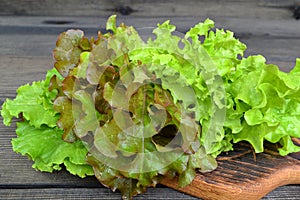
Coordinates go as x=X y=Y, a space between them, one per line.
x=132 y=112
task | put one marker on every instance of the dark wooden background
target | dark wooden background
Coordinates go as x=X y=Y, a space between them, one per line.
x=28 y=32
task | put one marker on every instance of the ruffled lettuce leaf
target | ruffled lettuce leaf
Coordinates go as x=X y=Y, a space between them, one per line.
x=142 y=111
x=267 y=106
x=146 y=94
x=34 y=102
x=148 y=128
x=38 y=136
x=46 y=148
x=69 y=46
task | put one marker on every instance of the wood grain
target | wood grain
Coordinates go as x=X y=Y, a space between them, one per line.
x=244 y=177
x=282 y=193
x=145 y=8
x=279 y=28
x=28 y=31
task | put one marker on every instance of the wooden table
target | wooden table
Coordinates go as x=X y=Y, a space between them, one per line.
x=28 y=32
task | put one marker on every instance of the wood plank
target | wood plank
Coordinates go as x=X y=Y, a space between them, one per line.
x=54 y=7
x=41 y=46
x=35 y=53
x=87 y=193
x=277 y=40
x=103 y=193
x=146 y=8
x=277 y=50
x=243 y=26
x=284 y=193
x=16 y=71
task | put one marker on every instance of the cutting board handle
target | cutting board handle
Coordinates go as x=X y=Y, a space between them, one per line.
x=244 y=177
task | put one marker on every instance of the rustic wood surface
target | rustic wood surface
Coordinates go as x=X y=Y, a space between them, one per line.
x=28 y=31
x=240 y=174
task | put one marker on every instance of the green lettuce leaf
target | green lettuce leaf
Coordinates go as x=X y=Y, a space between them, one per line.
x=38 y=136
x=267 y=107
x=34 y=102
x=46 y=148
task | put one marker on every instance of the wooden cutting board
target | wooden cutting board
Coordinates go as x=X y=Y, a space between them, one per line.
x=244 y=175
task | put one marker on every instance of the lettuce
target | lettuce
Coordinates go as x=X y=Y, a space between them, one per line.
x=34 y=102
x=39 y=138
x=270 y=105
x=48 y=151
x=137 y=111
